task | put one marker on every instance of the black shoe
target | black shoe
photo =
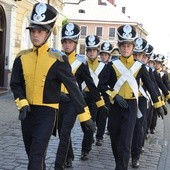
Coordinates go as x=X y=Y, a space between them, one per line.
x=99 y=142
x=93 y=140
x=142 y=150
x=135 y=163
x=68 y=163
x=107 y=133
x=84 y=156
x=146 y=136
x=152 y=131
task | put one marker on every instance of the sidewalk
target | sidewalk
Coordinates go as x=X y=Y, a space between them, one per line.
x=13 y=157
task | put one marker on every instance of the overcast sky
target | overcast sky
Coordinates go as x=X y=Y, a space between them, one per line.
x=155 y=18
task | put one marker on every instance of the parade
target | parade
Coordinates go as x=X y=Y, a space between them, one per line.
x=107 y=104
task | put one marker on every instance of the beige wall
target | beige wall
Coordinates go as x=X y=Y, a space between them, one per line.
x=91 y=29
x=16 y=35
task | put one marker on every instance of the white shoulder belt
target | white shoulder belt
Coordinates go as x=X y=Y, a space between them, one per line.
x=127 y=75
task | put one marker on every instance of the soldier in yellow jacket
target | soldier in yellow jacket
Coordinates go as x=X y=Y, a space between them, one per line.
x=122 y=86
x=36 y=80
x=67 y=112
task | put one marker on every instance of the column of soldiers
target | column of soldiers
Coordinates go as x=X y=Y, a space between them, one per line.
x=110 y=88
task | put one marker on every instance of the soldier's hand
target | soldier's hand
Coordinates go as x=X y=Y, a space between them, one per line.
x=64 y=98
x=23 y=112
x=88 y=126
x=104 y=110
x=160 y=112
x=168 y=101
x=165 y=110
x=121 y=101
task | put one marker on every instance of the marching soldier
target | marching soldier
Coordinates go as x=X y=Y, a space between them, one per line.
x=96 y=67
x=115 y=53
x=106 y=55
x=163 y=89
x=159 y=64
x=36 y=80
x=105 y=52
x=122 y=88
x=67 y=112
x=138 y=134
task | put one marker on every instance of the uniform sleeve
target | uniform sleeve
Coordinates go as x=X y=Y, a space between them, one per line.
x=107 y=82
x=161 y=85
x=150 y=87
x=69 y=81
x=17 y=84
x=165 y=81
x=83 y=74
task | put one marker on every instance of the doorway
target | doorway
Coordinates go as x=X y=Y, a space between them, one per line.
x=2 y=44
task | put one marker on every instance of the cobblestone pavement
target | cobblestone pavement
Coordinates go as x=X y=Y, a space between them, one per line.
x=13 y=157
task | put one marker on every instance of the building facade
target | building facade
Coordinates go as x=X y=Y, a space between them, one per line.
x=13 y=35
x=99 y=17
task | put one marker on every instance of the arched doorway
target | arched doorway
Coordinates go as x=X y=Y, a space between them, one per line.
x=2 y=44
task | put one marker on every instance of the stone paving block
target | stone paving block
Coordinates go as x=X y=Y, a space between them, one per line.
x=13 y=156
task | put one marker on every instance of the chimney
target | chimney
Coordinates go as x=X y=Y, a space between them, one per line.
x=112 y=2
x=123 y=10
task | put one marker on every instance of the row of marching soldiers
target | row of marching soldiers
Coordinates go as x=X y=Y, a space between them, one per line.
x=51 y=87
x=132 y=86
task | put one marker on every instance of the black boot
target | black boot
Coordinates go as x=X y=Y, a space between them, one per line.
x=135 y=163
x=68 y=162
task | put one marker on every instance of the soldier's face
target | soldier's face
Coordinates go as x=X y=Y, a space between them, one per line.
x=105 y=57
x=145 y=59
x=38 y=37
x=158 y=65
x=138 y=56
x=126 y=49
x=68 y=46
x=92 y=54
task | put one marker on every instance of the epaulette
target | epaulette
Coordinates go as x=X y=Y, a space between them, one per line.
x=147 y=67
x=141 y=62
x=114 y=59
x=56 y=54
x=23 y=52
x=81 y=58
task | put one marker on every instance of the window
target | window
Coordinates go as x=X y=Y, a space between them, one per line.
x=111 y=32
x=83 y=30
x=99 y=31
x=82 y=49
x=81 y=11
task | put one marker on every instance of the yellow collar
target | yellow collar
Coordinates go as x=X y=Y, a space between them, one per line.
x=72 y=57
x=41 y=49
x=93 y=64
x=127 y=59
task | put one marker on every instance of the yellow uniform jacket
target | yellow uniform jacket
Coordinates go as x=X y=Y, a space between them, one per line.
x=36 y=79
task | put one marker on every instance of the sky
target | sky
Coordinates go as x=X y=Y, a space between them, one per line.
x=154 y=15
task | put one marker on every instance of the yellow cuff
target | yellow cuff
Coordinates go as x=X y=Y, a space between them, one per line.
x=168 y=96
x=157 y=104
x=163 y=103
x=100 y=103
x=85 y=115
x=21 y=103
x=112 y=95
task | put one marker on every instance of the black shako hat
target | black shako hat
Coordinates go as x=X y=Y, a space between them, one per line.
x=43 y=16
x=126 y=33
x=160 y=58
x=70 y=31
x=106 y=47
x=140 y=45
x=92 y=42
x=149 y=49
